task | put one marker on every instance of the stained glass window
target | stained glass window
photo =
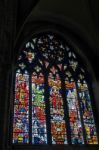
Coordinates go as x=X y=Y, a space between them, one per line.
x=87 y=114
x=21 y=109
x=74 y=113
x=58 y=124
x=39 y=132
x=52 y=101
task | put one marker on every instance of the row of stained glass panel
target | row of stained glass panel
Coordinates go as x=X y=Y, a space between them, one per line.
x=58 y=124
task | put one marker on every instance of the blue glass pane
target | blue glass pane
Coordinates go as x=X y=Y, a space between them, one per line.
x=74 y=113
x=86 y=108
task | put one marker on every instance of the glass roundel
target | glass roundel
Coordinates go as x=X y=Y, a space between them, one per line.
x=52 y=101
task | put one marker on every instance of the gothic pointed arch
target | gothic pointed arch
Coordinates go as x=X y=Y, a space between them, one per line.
x=52 y=100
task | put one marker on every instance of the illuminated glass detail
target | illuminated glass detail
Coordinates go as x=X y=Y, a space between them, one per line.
x=21 y=109
x=52 y=102
x=39 y=132
x=58 y=125
x=86 y=108
x=51 y=48
x=74 y=113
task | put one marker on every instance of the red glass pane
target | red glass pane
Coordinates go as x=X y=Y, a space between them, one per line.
x=21 y=109
x=58 y=125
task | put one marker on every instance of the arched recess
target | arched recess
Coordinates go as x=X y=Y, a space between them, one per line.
x=57 y=113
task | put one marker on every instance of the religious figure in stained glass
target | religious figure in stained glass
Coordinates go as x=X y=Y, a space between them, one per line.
x=58 y=125
x=74 y=113
x=21 y=109
x=87 y=114
x=39 y=132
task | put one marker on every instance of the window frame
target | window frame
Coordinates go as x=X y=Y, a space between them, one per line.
x=89 y=91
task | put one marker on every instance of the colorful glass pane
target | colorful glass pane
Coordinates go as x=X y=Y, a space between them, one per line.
x=58 y=125
x=74 y=113
x=21 y=109
x=30 y=55
x=51 y=48
x=86 y=108
x=73 y=64
x=39 y=132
